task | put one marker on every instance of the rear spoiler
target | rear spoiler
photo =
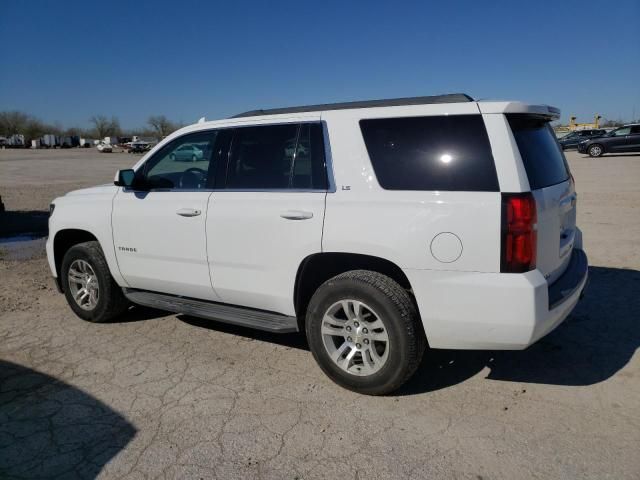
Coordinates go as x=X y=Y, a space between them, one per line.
x=548 y=111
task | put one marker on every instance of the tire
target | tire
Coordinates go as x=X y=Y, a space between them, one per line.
x=109 y=299
x=595 y=150
x=379 y=298
x=194 y=158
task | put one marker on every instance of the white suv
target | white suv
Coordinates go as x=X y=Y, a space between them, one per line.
x=377 y=228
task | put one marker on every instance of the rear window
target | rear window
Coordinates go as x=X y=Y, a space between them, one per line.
x=543 y=159
x=431 y=153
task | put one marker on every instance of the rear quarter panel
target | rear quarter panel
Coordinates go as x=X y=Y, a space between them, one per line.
x=362 y=217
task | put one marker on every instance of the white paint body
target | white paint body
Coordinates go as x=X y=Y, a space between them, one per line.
x=241 y=251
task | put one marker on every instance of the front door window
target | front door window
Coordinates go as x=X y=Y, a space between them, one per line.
x=183 y=164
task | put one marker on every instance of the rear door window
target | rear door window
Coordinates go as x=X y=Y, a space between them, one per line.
x=276 y=157
x=543 y=159
x=261 y=157
x=450 y=153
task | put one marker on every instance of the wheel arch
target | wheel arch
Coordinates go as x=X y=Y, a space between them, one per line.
x=317 y=268
x=65 y=239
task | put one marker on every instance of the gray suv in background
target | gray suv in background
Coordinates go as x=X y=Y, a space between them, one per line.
x=621 y=140
x=572 y=139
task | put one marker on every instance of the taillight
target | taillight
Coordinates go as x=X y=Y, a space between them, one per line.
x=519 y=236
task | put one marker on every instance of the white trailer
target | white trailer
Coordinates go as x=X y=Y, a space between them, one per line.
x=49 y=140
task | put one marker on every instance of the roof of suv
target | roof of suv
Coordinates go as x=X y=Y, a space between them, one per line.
x=452 y=99
x=390 y=102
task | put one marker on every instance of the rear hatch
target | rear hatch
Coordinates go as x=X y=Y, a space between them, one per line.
x=552 y=186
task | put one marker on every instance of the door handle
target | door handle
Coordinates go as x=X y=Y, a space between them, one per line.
x=188 y=212
x=296 y=215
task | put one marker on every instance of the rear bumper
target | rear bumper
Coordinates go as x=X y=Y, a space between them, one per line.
x=495 y=311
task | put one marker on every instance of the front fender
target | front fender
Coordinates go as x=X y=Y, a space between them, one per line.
x=91 y=213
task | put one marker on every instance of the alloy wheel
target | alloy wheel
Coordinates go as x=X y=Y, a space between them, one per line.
x=355 y=337
x=83 y=284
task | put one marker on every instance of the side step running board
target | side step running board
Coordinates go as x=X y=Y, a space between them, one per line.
x=246 y=317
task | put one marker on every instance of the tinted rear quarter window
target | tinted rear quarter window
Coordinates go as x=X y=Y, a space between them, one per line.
x=543 y=159
x=450 y=153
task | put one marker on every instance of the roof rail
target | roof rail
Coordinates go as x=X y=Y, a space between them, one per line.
x=391 y=102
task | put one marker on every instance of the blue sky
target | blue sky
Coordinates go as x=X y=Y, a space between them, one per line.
x=66 y=61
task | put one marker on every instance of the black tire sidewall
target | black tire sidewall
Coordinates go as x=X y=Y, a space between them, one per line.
x=394 y=369
x=97 y=262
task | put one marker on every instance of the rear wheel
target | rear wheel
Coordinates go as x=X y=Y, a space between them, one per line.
x=595 y=150
x=88 y=286
x=364 y=332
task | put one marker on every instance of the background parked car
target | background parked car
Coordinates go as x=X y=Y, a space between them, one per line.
x=572 y=139
x=623 y=139
x=138 y=147
x=105 y=147
x=187 y=153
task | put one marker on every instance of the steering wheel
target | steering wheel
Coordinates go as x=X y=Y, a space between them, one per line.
x=193 y=178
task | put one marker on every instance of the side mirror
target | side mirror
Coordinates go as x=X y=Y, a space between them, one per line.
x=125 y=178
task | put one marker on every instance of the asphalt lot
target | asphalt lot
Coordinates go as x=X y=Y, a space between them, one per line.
x=171 y=396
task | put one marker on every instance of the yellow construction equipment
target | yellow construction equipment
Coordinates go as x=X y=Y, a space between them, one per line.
x=581 y=126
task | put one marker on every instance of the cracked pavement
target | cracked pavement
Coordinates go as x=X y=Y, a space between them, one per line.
x=169 y=396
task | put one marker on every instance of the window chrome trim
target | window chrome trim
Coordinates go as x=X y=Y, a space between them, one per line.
x=230 y=190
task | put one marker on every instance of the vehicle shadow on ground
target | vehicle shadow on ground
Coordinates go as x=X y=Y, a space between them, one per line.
x=20 y=222
x=292 y=340
x=51 y=429
x=592 y=345
x=137 y=313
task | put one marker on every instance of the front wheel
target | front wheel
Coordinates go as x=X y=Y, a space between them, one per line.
x=88 y=286
x=595 y=150
x=363 y=330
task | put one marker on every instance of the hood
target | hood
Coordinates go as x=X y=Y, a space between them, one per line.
x=100 y=189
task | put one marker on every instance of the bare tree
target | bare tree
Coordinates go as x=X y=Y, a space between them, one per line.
x=34 y=129
x=13 y=122
x=101 y=125
x=104 y=127
x=161 y=125
x=114 y=127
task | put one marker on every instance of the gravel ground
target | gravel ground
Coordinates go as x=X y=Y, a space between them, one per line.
x=170 y=396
